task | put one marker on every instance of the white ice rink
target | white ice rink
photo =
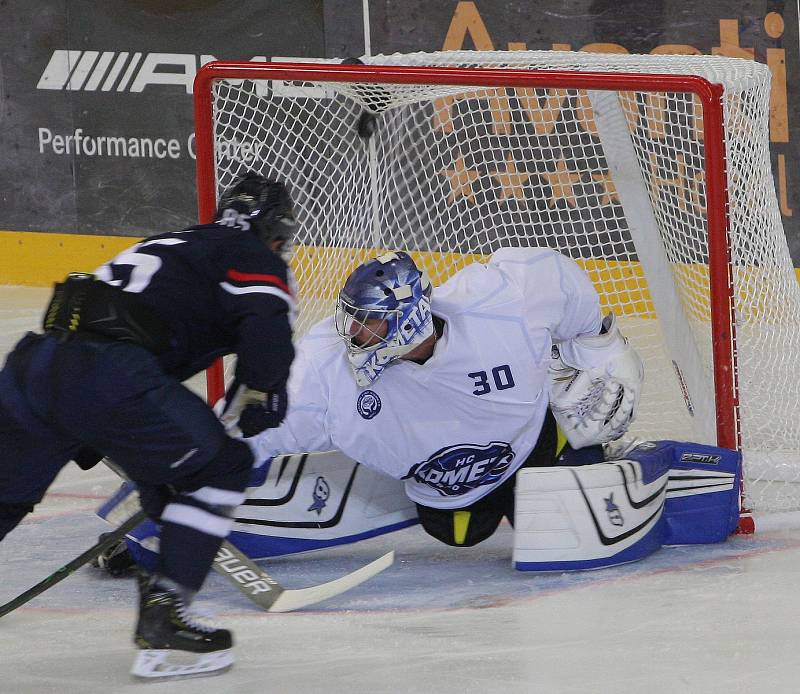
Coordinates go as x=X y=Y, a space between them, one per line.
x=722 y=618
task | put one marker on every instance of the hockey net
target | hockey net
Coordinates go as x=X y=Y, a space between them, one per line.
x=652 y=172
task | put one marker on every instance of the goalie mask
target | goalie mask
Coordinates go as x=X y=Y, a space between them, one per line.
x=262 y=205
x=382 y=313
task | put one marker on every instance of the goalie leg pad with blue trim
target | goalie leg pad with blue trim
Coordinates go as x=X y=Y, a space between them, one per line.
x=588 y=517
x=303 y=502
x=312 y=501
x=702 y=495
x=702 y=503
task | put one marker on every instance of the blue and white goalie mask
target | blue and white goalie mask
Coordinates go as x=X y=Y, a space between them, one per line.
x=382 y=313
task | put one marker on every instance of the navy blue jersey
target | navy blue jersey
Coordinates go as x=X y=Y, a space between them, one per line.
x=220 y=290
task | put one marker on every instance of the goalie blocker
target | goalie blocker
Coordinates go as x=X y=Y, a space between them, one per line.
x=608 y=513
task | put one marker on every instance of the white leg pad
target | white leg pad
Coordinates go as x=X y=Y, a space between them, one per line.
x=587 y=517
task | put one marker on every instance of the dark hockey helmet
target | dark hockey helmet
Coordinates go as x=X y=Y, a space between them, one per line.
x=258 y=203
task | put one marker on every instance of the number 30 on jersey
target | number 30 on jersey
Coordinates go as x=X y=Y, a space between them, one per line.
x=501 y=377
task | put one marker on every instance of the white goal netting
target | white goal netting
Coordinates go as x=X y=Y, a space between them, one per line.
x=616 y=179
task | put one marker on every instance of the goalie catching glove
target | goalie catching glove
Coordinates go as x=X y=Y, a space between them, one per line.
x=249 y=412
x=595 y=383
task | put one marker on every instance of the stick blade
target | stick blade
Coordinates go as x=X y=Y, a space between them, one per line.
x=295 y=599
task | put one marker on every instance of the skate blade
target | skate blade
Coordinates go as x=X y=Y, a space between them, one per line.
x=153 y=665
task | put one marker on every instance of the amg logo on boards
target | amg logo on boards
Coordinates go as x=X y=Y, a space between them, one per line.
x=106 y=71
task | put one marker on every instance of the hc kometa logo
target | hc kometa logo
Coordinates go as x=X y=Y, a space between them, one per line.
x=458 y=469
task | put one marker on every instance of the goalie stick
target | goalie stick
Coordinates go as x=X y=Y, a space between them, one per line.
x=255 y=583
x=60 y=574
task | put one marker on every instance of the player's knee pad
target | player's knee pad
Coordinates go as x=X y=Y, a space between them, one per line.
x=231 y=468
x=588 y=517
x=11 y=515
x=210 y=508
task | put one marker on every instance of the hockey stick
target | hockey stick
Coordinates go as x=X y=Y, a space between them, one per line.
x=255 y=583
x=60 y=574
x=269 y=595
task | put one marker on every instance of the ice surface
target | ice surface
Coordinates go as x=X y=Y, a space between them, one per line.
x=720 y=618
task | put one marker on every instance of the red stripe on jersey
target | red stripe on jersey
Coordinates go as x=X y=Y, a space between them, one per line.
x=237 y=276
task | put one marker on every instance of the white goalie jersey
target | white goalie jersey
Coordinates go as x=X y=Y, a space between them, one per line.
x=464 y=421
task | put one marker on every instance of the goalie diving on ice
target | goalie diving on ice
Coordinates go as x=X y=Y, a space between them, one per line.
x=445 y=396
x=448 y=389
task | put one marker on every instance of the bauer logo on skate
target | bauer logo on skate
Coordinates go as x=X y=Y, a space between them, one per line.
x=458 y=469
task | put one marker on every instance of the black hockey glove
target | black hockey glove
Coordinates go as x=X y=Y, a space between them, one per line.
x=249 y=412
x=268 y=414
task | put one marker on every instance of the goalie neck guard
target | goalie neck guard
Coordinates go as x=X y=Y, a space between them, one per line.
x=382 y=313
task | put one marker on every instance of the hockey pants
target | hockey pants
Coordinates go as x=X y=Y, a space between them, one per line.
x=114 y=397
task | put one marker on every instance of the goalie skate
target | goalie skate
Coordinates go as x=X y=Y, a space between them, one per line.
x=173 y=643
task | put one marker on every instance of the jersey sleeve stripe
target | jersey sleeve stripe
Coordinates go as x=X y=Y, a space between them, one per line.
x=237 y=276
x=259 y=289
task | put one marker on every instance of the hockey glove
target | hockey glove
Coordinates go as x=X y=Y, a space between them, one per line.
x=250 y=412
x=268 y=414
x=595 y=383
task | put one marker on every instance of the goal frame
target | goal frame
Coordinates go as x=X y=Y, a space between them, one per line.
x=709 y=94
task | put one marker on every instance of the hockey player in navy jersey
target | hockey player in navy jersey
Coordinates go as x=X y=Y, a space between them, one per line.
x=104 y=379
x=451 y=389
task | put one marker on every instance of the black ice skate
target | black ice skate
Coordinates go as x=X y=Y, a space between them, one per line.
x=174 y=644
